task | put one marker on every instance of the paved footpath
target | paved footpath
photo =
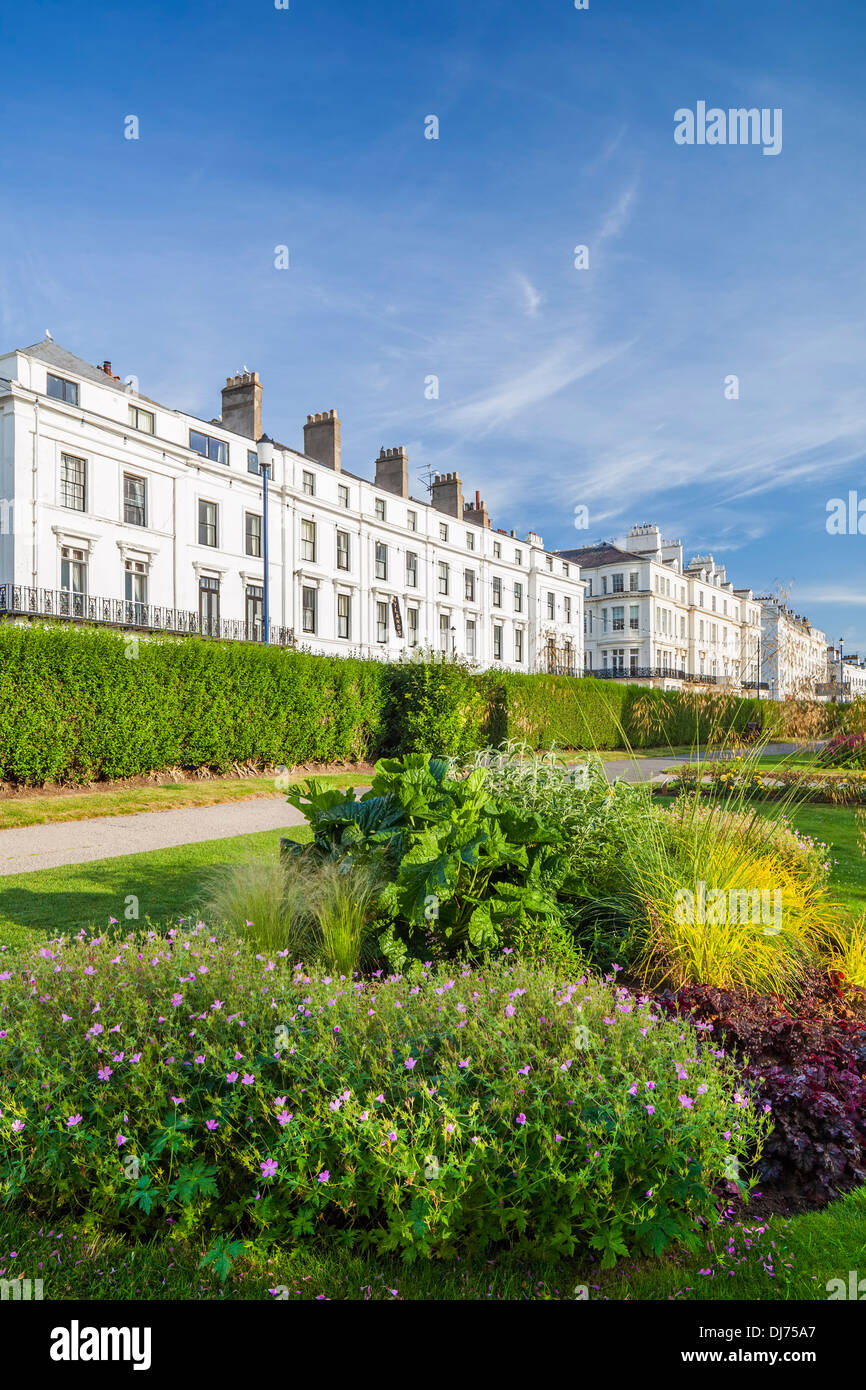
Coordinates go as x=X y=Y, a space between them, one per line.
x=639 y=769
x=106 y=837
x=35 y=847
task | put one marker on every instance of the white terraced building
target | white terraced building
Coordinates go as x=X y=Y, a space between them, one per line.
x=653 y=620
x=846 y=675
x=794 y=660
x=117 y=509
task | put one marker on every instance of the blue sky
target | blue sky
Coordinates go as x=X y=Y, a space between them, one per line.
x=455 y=257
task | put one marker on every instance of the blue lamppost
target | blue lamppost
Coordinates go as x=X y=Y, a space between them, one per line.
x=265 y=450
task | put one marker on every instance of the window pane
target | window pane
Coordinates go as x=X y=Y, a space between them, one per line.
x=253 y=534
x=73 y=479
x=134 y=501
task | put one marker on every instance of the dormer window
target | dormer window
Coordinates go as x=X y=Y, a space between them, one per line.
x=62 y=390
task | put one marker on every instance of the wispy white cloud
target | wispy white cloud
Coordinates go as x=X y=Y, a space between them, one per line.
x=559 y=367
x=617 y=217
x=531 y=297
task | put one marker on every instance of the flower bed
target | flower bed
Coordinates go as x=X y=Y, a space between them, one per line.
x=737 y=777
x=849 y=750
x=187 y=1079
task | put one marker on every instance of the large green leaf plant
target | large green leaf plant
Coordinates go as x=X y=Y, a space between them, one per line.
x=465 y=871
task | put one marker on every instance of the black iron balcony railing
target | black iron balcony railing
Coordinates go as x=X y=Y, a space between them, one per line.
x=651 y=673
x=23 y=601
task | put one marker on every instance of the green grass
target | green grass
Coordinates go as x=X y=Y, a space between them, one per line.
x=44 y=808
x=837 y=827
x=168 y=883
x=804 y=1252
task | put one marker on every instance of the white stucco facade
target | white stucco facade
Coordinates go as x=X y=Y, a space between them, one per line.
x=652 y=619
x=794 y=658
x=118 y=509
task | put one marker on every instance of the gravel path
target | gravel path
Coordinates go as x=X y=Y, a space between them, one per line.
x=107 y=837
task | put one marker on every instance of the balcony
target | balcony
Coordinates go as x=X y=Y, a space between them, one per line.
x=22 y=601
x=672 y=673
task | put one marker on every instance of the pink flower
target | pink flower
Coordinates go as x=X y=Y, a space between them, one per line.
x=650 y=1110
x=104 y=1073
x=686 y=1102
x=247 y=1079
x=17 y=1125
x=324 y=1175
x=409 y=1063
x=231 y=1077
x=211 y=1124
x=521 y=1119
x=269 y=1167
x=73 y=1120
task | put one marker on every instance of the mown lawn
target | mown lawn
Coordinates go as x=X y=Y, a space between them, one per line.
x=43 y=808
x=780 y=1259
x=167 y=883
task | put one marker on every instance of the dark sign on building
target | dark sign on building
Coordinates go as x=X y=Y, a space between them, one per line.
x=398 y=621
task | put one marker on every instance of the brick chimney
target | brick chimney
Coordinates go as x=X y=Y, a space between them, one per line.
x=322 y=439
x=476 y=512
x=448 y=494
x=392 y=471
x=242 y=404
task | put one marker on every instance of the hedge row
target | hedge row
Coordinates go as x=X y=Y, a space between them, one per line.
x=589 y=713
x=80 y=705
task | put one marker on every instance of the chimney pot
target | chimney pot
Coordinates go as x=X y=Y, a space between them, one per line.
x=322 y=439
x=448 y=494
x=242 y=405
x=392 y=471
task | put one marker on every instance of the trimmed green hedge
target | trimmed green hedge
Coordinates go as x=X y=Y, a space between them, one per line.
x=85 y=704
x=590 y=713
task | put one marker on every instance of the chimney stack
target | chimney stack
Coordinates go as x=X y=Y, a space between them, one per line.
x=448 y=494
x=392 y=471
x=476 y=512
x=242 y=405
x=322 y=439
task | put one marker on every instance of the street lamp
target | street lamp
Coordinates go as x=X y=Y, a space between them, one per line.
x=759 y=668
x=265 y=451
x=842 y=667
